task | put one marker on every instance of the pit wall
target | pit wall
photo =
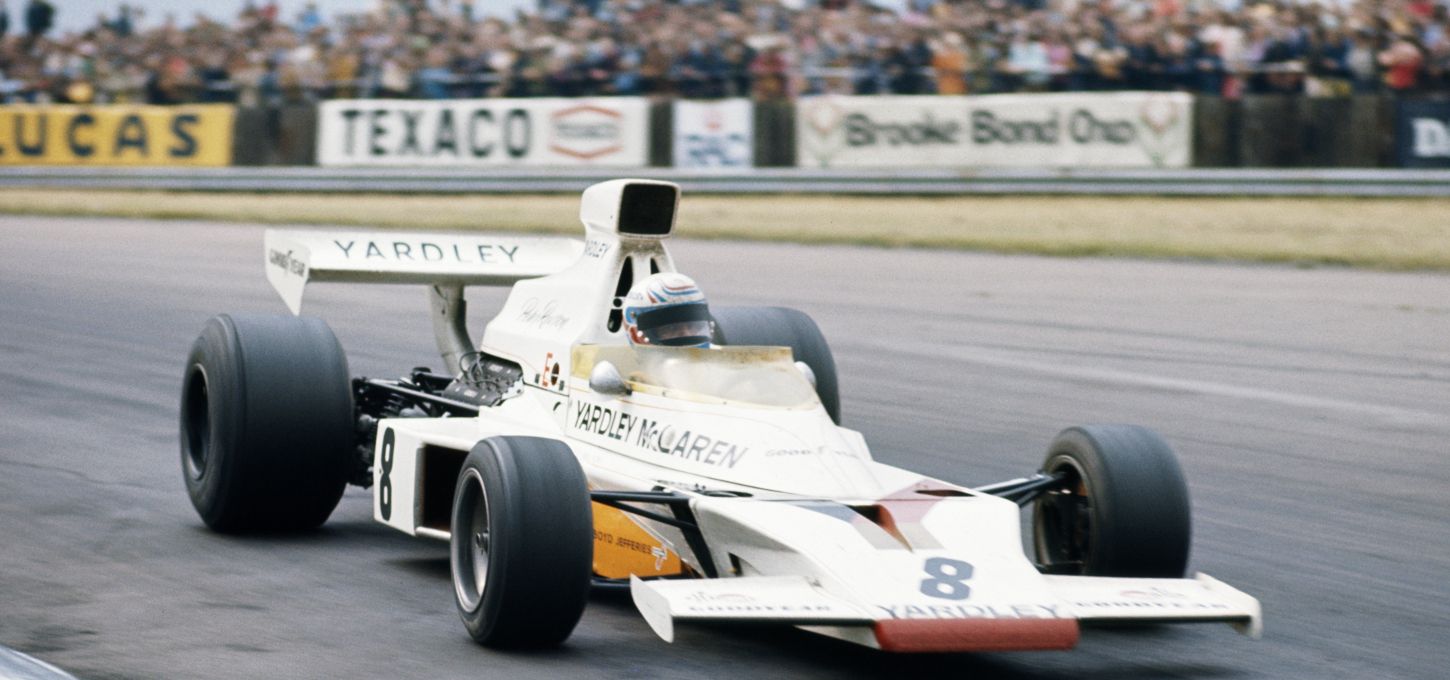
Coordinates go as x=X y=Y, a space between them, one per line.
x=1061 y=130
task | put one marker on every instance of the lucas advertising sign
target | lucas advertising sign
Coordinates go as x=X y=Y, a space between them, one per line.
x=1123 y=129
x=484 y=132
x=199 y=135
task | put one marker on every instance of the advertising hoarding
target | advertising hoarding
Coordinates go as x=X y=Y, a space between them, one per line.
x=1088 y=129
x=198 y=135
x=714 y=134
x=1422 y=133
x=484 y=132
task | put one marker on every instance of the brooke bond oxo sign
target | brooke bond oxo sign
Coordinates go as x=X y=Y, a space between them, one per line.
x=1128 y=129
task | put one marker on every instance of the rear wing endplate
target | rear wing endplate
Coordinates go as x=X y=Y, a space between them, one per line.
x=296 y=257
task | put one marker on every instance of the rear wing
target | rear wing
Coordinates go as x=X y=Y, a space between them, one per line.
x=296 y=257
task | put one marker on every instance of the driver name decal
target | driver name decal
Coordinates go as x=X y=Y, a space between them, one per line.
x=655 y=437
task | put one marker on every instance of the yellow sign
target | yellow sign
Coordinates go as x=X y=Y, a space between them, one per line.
x=116 y=135
x=622 y=547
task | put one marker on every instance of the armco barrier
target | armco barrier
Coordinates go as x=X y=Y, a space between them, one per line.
x=1192 y=182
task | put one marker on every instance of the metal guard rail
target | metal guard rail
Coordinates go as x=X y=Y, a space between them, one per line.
x=936 y=182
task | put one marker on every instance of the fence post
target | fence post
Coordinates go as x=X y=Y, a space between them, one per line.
x=661 y=152
x=1215 y=132
x=250 y=143
x=297 y=135
x=775 y=134
x=1272 y=135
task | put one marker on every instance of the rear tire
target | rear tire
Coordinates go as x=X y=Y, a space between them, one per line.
x=522 y=545
x=783 y=327
x=1121 y=510
x=266 y=423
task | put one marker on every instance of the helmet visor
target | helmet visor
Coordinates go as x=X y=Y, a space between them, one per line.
x=686 y=325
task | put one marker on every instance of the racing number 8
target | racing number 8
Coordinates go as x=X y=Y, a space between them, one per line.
x=385 y=485
x=946 y=579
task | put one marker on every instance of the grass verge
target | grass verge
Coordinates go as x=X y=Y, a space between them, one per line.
x=1398 y=234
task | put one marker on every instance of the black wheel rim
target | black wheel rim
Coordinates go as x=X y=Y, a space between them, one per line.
x=197 y=409
x=470 y=541
x=1062 y=523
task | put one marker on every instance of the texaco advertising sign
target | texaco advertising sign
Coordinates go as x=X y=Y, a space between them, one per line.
x=484 y=132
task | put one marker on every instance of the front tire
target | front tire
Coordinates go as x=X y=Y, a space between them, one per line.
x=266 y=423
x=1121 y=509
x=522 y=544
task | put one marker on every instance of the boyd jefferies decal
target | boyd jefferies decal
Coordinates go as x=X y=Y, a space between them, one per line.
x=658 y=553
x=654 y=436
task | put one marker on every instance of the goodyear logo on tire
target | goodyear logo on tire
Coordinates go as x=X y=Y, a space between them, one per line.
x=116 y=135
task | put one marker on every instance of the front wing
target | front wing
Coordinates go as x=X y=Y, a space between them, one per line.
x=796 y=600
x=938 y=575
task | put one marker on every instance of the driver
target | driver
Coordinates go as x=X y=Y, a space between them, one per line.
x=667 y=309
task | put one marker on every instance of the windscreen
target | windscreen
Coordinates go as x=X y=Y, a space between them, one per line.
x=750 y=376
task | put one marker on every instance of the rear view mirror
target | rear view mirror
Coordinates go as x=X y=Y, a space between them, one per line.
x=806 y=371
x=605 y=379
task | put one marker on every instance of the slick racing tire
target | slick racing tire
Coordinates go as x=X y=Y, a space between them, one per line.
x=522 y=545
x=266 y=423
x=1120 y=510
x=783 y=327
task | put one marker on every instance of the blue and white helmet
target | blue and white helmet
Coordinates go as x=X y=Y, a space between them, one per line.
x=667 y=309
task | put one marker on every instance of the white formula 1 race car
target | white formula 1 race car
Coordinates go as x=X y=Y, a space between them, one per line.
x=714 y=483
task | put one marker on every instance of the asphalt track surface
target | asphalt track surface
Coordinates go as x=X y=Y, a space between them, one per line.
x=1310 y=408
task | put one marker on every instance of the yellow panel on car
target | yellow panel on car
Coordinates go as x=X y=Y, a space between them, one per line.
x=622 y=547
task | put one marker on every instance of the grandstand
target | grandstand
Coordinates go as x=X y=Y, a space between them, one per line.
x=762 y=49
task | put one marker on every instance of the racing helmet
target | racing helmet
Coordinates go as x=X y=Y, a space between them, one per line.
x=667 y=309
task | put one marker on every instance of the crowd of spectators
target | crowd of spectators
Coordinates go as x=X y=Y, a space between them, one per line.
x=766 y=49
